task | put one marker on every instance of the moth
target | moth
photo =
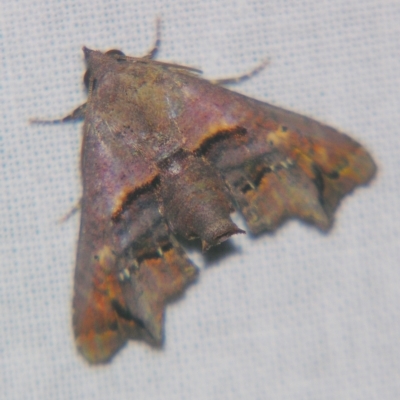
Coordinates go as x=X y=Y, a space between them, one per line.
x=168 y=154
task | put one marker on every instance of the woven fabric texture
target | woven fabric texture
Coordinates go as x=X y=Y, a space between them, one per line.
x=293 y=315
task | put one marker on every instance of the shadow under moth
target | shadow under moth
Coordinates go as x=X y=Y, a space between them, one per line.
x=165 y=154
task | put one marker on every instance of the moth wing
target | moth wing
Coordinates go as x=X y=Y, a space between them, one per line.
x=128 y=263
x=277 y=164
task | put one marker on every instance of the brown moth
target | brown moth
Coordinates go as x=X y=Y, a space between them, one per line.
x=166 y=153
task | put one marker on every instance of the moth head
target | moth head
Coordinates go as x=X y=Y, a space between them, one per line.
x=95 y=60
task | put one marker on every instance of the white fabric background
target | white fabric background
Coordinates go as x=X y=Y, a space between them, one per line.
x=294 y=315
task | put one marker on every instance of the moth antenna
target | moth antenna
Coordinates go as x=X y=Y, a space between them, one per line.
x=90 y=88
x=243 y=77
x=152 y=53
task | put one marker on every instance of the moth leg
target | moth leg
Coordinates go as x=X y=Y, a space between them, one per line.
x=243 y=77
x=77 y=114
x=74 y=209
x=152 y=53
